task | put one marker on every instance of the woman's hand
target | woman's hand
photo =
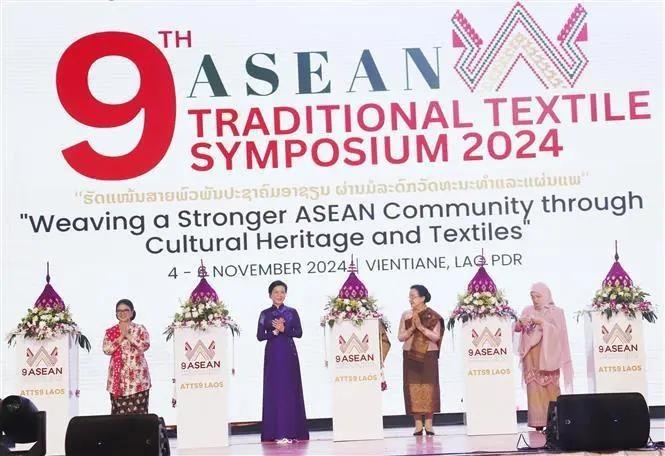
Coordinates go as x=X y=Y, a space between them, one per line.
x=278 y=324
x=124 y=331
x=537 y=320
x=417 y=324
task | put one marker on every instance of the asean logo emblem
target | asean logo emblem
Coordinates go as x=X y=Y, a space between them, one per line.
x=354 y=342
x=486 y=338
x=616 y=334
x=520 y=39
x=42 y=357
x=200 y=352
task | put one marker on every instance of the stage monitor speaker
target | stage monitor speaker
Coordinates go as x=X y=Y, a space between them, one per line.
x=114 y=435
x=598 y=422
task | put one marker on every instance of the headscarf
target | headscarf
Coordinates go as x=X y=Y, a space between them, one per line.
x=544 y=291
x=555 y=347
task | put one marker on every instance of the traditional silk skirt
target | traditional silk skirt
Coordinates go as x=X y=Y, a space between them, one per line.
x=542 y=387
x=421 y=384
x=132 y=404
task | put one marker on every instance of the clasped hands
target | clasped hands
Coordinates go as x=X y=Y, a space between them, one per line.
x=530 y=321
x=124 y=333
x=278 y=326
x=417 y=324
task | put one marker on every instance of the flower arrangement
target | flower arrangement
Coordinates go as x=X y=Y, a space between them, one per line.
x=353 y=303
x=46 y=323
x=480 y=304
x=48 y=318
x=613 y=299
x=481 y=299
x=202 y=310
x=351 y=309
x=620 y=295
x=202 y=315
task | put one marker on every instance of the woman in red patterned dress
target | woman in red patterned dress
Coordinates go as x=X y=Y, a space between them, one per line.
x=129 y=377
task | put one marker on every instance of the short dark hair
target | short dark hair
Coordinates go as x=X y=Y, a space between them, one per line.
x=422 y=292
x=277 y=283
x=129 y=304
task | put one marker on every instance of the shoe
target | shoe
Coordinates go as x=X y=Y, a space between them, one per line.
x=429 y=432
x=420 y=432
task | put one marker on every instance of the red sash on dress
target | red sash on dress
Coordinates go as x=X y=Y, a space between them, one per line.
x=116 y=362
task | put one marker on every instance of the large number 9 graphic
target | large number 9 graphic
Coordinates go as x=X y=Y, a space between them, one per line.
x=156 y=97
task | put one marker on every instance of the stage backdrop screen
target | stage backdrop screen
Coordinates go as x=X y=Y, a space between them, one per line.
x=280 y=140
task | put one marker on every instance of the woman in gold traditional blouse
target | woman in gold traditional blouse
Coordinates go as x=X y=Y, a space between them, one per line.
x=421 y=330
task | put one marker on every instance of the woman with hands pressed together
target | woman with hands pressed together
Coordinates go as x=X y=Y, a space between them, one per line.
x=421 y=330
x=129 y=376
x=284 y=418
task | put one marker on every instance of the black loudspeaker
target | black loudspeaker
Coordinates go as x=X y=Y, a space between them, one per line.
x=114 y=435
x=598 y=422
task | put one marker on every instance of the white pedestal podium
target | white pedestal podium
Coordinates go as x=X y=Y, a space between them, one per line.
x=47 y=372
x=489 y=398
x=202 y=374
x=616 y=355
x=355 y=368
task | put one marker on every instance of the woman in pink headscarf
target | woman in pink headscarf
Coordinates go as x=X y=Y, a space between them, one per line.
x=544 y=352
